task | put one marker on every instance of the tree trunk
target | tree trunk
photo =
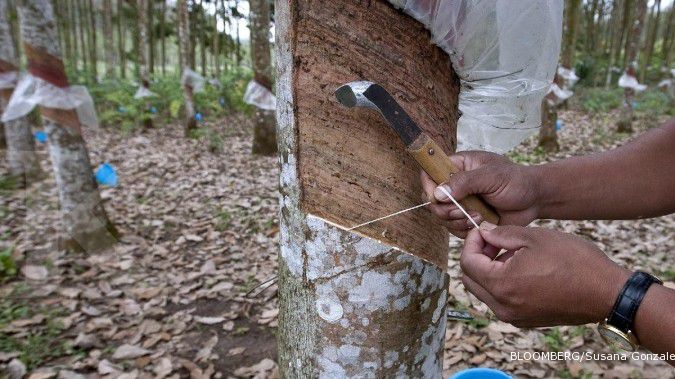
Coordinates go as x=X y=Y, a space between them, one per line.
x=625 y=124
x=614 y=42
x=184 y=41
x=86 y=225
x=81 y=24
x=237 y=50
x=667 y=48
x=23 y=162
x=143 y=56
x=192 y=21
x=591 y=27
x=264 y=132
x=108 y=35
x=162 y=32
x=121 y=38
x=150 y=33
x=548 y=134
x=651 y=39
x=75 y=53
x=628 y=17
x=571 y=26
x=216 y=44
x=350 y=305
x=92 y=40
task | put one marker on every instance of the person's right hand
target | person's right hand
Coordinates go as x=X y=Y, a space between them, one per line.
x=511 y=189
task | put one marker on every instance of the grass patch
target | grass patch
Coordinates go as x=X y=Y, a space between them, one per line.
x=8 y=267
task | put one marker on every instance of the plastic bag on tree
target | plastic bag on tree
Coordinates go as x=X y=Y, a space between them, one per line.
x=31 y=91
x=193 y=80
x=505 y=53
x=559 y=95
x=258 y=95
x=569 y=77
x=9 y=79
x=628 y=81
x=143 y=92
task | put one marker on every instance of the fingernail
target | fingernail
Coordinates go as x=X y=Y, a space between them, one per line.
x=440 y=195
x=477 y=218
x=487 y=226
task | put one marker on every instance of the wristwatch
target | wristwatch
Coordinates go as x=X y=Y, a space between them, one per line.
x=617 y=328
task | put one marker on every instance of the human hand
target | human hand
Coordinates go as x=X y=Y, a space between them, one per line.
x=511 y=189
x=544 y=278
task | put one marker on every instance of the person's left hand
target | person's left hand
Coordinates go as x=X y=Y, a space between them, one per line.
x=544 y=278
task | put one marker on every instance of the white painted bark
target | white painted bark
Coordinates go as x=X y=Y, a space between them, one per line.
x=184 y=44
x=350 y=306
x=23 y=162
x=264 y=132
x=86 y=225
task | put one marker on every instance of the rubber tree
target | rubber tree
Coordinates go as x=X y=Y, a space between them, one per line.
x=144 y=56
x=358 y=304
x=264 y=131
x=625 y=124
x=184 y=46
x=85 y=223
x=571 y=27
x=110 y=60
x=548 y=134
x=23 y=162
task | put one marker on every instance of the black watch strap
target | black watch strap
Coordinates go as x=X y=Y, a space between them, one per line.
x=622 y=315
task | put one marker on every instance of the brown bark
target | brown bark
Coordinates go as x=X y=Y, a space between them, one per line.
x=548 y=135
x=668 y=37
x=628 y=22
x=81 y=26
x=108 y=36
x=350 y=304
x=121 y=38
x=651 y=39
x=93 y=49
x=633 y=46
x=264 y=132
x=162 y=32
x=144 y=52
x=614 y=42
x=571 y=26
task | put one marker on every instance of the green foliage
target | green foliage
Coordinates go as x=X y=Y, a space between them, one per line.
x=40 y=345
x=598 y=99
x=7 y=265
x=653 y=102
x=118 y=108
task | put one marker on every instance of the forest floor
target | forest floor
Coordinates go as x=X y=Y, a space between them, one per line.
x=199 y=232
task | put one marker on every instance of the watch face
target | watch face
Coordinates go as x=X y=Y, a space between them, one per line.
x=615 y=339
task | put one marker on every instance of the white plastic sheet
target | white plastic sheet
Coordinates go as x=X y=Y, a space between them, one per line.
x=258 y=95
x=31 y=91
x=559 y=94
x=505 y=53
x=569 y=77
x=143 y=92
x=193 y=80
x=628 y=81
x=9 y=79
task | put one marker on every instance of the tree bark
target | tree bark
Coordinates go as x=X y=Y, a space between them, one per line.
x=93 y=49
x=668 y=37
x=350 y=305
x=571 y=26
x=150 y=30
x=108 y=33
x=23 y=162
x=81 y=26
x=628 y=18
x=548 y=134
x=625 y=124
x=264 y=131
x=184 y=42
x=143 y=56
x=86 y=225
x=614 y=41
x=216 y=43
x=121 y=38
x=651 y=39
x=162 y=32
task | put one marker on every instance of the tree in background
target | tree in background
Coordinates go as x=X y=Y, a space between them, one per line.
x=23 y=162
x=264 y=132
x=571 y=26
x=110 y=60
x=625 y=124
x=184 y=45
x=86 y=224
x=144 y=53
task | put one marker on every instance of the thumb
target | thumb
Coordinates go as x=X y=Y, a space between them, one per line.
x=508 y=237
x=474 y=262
x=465 y=183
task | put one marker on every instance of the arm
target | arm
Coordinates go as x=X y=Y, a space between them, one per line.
x=636 y=180
x=533 y=285
x=633 y=181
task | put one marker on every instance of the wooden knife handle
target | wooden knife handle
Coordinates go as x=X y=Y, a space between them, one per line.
x=439 y=166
